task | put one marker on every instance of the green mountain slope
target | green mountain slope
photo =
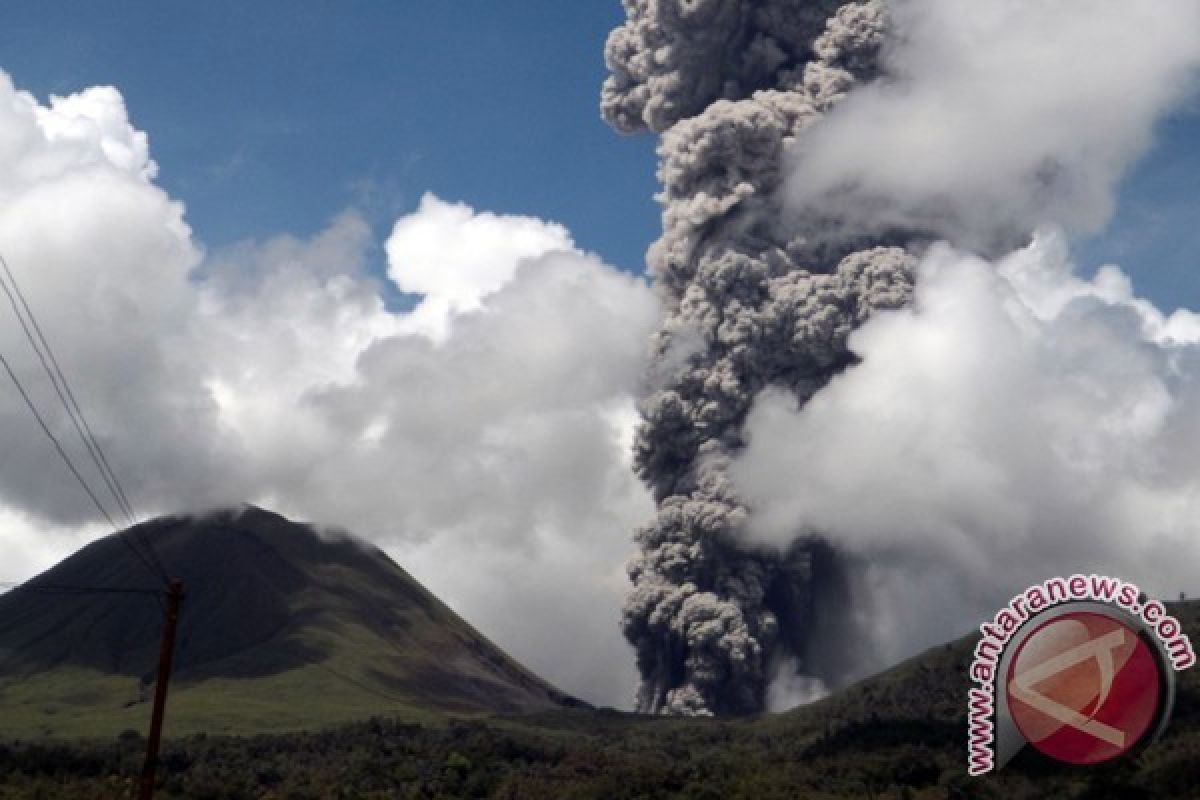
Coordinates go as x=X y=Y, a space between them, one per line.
x=282 y=629
x=899 y=735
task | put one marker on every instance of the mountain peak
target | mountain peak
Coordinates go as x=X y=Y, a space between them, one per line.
x=269 y=604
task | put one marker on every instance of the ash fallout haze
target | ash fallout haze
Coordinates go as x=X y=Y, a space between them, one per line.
x=381 y=267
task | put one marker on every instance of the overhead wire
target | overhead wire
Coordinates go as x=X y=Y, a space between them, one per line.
x=50 y=364
x=74 y=410
x=71 y=464
x=54 y=440
x=13 y=659
x=135 y=540
x=41 y=348
x=131 y=536
x=56 y=588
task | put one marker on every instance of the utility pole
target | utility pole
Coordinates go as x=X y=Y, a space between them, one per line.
x=165 y=656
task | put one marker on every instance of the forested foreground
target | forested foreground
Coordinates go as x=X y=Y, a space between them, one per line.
x=602 y=756
x=900 y=735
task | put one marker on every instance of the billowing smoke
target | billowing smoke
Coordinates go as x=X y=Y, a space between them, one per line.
x=810 y=155
x=749 y=304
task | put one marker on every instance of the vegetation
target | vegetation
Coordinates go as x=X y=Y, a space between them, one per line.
x=341 y=678
x=581 y=755
x=900 y=735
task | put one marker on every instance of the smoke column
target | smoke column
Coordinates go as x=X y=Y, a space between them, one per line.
x=811 y=154
x=748 y=305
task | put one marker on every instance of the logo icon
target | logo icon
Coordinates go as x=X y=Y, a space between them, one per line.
x=1084 y=688
x=1081 y=669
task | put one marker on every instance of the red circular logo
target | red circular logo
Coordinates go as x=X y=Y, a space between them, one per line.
x=1083 y=688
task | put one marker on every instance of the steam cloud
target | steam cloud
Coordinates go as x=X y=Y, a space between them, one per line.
x=1017 y=421
x=811 y=155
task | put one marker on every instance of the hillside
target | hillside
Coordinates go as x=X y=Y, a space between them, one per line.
x=282 y=628
x=899 y=735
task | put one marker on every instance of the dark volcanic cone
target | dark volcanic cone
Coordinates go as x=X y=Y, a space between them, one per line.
x=294 y=619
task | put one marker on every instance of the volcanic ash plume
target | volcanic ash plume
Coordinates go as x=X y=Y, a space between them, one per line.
x=730 y=85
x=807 y=159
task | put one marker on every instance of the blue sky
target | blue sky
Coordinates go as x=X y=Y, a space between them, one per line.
x=265 y=118
x=1155 y=234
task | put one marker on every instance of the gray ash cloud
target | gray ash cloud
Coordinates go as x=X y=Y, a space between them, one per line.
x=750 y=303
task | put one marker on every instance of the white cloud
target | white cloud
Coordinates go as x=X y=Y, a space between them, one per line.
x=94 y=122
x=481 y=439
x=31 y=546
x=455 y=256
x=999 y=115
x=1016 y=422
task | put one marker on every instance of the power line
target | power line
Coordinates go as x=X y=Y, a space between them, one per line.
x=149 y=558
x=61 y=386
x=13 y=661
x=66 y=395
x=54 y=440
x=71 y=464
x=154 y=564
x=55 y=588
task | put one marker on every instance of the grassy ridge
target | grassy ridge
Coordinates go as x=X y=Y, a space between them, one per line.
x=900 y=735
x=395 y=697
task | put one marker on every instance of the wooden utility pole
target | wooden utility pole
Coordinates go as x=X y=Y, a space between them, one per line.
x=165 y=656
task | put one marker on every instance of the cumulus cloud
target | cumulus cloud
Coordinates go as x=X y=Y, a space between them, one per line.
x=104 y=256
x=491 y=458
x=1017 y=421
x=482 y=439
x=31 y=545
x=454 y=257
x=997 y=116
